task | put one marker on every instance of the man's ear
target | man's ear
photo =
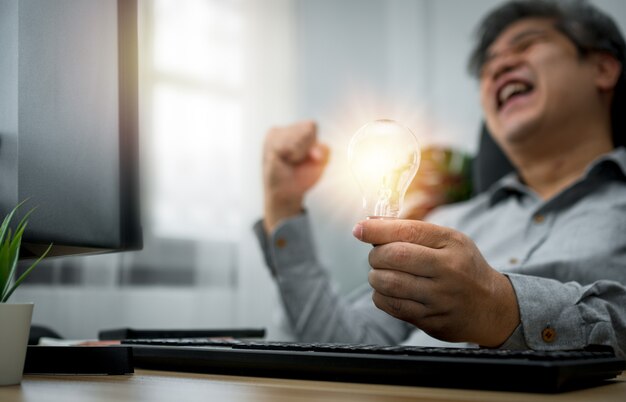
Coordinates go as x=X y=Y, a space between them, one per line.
x=608 y=71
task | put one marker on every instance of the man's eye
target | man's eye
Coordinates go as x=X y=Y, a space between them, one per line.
x=516 y=48
x=520 y=47
x=527 y=43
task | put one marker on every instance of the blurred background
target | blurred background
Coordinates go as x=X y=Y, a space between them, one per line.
x=215 y=75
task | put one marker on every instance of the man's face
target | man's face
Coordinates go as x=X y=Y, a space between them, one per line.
x=532 y=81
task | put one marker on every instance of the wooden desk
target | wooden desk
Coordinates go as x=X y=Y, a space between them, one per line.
x=156 y=386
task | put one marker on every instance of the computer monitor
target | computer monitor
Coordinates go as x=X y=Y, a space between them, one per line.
x=69 y=122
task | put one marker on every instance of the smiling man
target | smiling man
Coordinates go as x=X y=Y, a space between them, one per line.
x=547 y=105
x=539 y=260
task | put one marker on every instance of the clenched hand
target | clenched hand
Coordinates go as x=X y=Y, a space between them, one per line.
x=293 y=161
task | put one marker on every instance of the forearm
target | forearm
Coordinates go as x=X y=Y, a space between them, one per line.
x=316 y=312
x=558 y=315
x=277 y=209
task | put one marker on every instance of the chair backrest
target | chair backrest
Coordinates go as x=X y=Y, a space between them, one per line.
x=489 y=164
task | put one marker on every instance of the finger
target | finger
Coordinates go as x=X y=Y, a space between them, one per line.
x=403 y=309
x=411 y=258
x=295 y=142
x=401 y=285
x=319 y=152
x=383 y=231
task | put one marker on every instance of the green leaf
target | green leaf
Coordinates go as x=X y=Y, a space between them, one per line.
x=4 y=269
x=7 y=220
x=5 y=260
x=24 y=220
x=5 y=225
x=24 y=275
x=14 y=252
x=9 y=251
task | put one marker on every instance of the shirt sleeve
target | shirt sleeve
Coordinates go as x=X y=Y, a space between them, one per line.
x=315 y=310
x=556 y=315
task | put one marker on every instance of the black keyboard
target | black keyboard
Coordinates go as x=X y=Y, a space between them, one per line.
x=495 y=369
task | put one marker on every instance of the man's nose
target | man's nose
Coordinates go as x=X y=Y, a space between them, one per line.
x=502 y=64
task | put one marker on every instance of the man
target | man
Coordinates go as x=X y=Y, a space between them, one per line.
x=539 y=260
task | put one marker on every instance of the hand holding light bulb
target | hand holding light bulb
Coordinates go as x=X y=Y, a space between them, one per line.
x=430 y=276
x=384 y=157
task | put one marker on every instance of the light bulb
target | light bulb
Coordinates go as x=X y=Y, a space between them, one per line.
x=384 y=157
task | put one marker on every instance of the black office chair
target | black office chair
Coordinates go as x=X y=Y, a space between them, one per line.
x=489 y=164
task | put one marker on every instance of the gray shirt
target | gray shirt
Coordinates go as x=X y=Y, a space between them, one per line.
x=565 y=257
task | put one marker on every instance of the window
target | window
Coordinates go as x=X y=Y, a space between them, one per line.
x=193 y=85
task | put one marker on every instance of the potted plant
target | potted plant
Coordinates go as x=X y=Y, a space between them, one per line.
x=14 y=318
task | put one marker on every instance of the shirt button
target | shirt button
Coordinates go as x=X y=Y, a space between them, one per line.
x=281 y=242
x=513 y=261
x=539 y=218
x=548 y=334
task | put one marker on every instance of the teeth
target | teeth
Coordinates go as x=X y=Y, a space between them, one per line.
x=511 y=89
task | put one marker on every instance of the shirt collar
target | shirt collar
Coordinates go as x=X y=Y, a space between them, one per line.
x=617 y=158
x=511 y=183
x=508 y=185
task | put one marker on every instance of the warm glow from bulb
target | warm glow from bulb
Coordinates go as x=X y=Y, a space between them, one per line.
x=384 y=157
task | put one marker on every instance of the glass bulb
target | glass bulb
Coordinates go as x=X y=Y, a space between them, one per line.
x=384 y=157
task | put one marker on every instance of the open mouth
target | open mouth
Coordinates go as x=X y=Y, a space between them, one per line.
x=511 y=91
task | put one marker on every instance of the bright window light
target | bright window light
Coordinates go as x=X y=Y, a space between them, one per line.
x=195 y=79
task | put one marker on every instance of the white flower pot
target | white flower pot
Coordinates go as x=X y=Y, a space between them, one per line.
x=14 y=330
